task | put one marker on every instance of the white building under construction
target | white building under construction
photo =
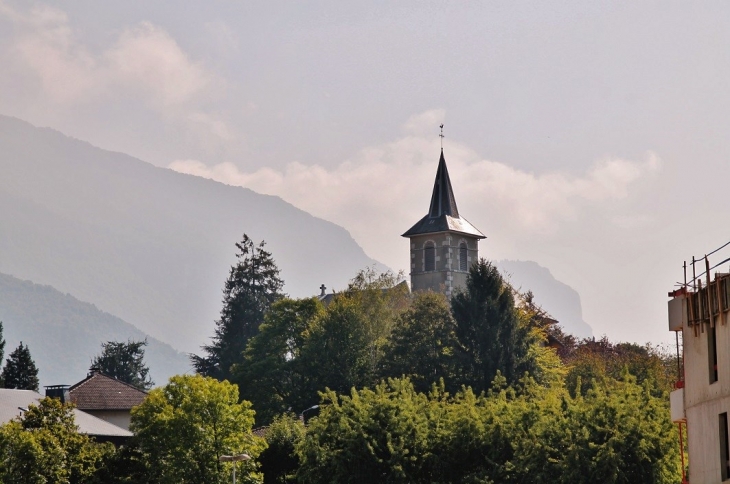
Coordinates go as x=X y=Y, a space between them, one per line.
x=698 y=313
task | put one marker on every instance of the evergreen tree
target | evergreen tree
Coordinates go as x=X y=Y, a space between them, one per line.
x=2 y=342
x=253 y=285
x=489 y=330
x=20 y=371
x=125 y=362
x=2 y=346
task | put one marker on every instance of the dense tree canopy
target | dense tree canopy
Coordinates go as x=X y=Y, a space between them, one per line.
x=20 y=371
x=617 y=434
x=183 y=428
x=279 y=462
x=253 y=285
x=272 y=374
x=423 y=345
x=44 y=446
x=125 y=362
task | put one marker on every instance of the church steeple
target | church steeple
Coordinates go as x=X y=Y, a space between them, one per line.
x=443 y=215
x=442 y=199
x=443 y=243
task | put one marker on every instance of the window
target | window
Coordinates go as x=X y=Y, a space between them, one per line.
x=463 y=254
x=429 y=254
x=712 y=353
x=724 y=448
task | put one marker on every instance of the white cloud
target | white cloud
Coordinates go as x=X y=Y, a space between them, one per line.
x=146 y=57
x=389 y=187
x=143 y=64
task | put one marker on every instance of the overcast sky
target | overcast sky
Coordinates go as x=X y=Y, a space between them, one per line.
x=590 y=137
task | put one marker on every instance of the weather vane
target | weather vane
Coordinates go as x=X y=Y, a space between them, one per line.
x=442 y=136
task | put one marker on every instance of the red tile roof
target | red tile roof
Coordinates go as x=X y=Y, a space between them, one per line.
x=101 y=392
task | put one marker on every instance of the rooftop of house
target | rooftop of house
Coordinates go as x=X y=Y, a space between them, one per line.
x=14 y=402
x=101 y=392
x=443 y=214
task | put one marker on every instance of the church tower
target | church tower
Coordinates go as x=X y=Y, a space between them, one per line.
x=443 y=244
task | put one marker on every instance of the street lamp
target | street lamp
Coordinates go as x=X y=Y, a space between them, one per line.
x=313 y=407
x=234 y=458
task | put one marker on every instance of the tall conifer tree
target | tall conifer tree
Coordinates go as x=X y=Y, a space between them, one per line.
x=20 y=371
x=253 y=285
x=125 y=362
x=489 y=330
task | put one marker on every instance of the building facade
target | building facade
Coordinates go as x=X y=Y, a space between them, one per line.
x=443 y=245
x=701 y=400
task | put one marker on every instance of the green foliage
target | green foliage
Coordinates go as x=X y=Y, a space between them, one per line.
x=617 y=434
x=44 y=446
x=423 y=345
x=621 y=434
x=345 y=345
x=183 y=428
x=253 y=285
x=20 y=371
x=593 y=362
x=279 y=462
x=336 y=354
x=370 y=436
x=489 y=329
x=125 y=362
x=272 y=375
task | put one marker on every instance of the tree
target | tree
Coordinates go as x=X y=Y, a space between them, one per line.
x=20 y=371
x=2 y=346
x=271 y=374
x=183 y=428
x=369 y=436
x=336 y=353
x=125 y=362
x=44 y=446
x=346 y=344
x=279 y=462
x=489 y=329
x=253 y=285
x=618 y=433
x=423 y=345
x=593 y=361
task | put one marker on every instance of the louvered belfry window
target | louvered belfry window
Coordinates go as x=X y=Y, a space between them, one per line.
x=463 y=253
x=429 y=254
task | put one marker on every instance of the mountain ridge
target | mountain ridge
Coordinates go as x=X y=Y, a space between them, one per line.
x=42 y=317
x=146 y=243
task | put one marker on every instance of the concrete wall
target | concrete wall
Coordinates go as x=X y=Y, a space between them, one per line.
x=705 y=401
x=703 y=440
x=446 y=277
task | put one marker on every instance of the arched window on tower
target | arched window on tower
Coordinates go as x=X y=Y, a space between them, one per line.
x=463 y=254
x=429 y=257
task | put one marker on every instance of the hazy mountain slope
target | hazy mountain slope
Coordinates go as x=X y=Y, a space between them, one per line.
x=148 y=244
x=557 y=298
x=63 y=333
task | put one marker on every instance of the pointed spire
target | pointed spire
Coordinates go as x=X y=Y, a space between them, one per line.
x=442 y=199
x=443 y=216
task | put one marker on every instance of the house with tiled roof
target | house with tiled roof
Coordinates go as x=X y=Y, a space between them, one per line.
x=106 y=398
x=14 y=402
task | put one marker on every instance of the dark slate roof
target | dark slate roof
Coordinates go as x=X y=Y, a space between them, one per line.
x=443 y=215
x=101 y=392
